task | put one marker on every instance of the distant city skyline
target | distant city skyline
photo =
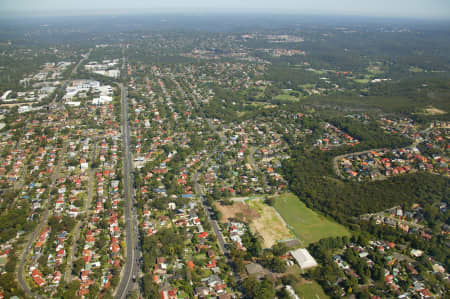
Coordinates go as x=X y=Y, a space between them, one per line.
x=429 y=9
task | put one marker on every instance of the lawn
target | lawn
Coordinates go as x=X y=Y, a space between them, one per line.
x=415 y=69
x=320 y=72
x=309 y=290
x=361 y=81
x=286 y=97
x=308 y=225
x=374 y=70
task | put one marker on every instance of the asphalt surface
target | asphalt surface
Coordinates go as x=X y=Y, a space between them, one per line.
x=75 y=69
x=131 y=270
x=199 y=191
x=214 y=224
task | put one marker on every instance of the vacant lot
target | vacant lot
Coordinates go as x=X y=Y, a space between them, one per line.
x=261 y=218
x=307 y=224
x=434 y=111
x=269 y=224
x=237 y=210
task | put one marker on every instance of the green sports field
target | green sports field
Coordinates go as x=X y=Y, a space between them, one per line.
x=310 y=290
x=308 y=225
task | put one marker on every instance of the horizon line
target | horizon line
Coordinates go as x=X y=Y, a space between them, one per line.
x=11 y=14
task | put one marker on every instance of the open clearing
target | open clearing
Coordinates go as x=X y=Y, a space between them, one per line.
x=434 y=111
x=261 y=218
x=235 y=210
x=286 y=97
x=309 y=290
x=361 y=81
x=308 y=226
x=305 y=288
x=415 y=69
x=269 y=224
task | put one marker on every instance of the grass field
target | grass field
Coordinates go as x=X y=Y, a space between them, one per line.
x=361 y=81
x=309 y=290
x=320 y=72
x=433 y=111
x=308 y=226
x=286 y=97
x=415 y=69
x=374 y=70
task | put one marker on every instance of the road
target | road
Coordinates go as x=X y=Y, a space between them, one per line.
x=131 y=269
x=76 y=232
x=75 y=69
x=199 y=191
x=251 y=159
x=37 y=230
x=214 y=224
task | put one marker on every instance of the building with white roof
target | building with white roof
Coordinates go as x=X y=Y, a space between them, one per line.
x=102 y=100
x=303 y=258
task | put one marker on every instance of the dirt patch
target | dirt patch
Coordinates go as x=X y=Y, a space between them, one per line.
x=237 y=208
x=261 y=218
x=434 y=111
x=270 y=226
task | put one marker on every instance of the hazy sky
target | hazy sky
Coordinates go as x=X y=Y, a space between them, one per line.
x=429 y=9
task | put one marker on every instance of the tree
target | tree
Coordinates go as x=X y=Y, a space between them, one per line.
x=77 y=266
x=71 y=290
x=150 y=289
x=254 y=289
x=251 y=287
x=279 y=249
x=278 y=265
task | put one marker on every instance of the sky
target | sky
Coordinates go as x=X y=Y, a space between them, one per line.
x=423 y=9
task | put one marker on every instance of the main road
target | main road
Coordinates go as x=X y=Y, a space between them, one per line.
x=131 y=270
